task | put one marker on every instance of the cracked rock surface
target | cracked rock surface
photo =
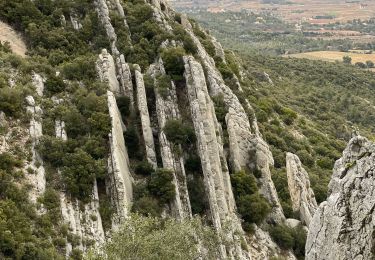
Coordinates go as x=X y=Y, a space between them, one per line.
x=343 y=226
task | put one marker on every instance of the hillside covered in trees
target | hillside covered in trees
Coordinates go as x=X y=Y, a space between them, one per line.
x=128 y=132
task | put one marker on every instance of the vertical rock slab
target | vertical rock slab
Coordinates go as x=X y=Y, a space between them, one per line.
x=301 y=193
x=247 y=149
x=343 y=226
x=125 y=78
x=103 y=13
x=37 y=179
x=120 y=180
x=216 y=180
x=145 y=117
x=105 y=66
x=167 y=109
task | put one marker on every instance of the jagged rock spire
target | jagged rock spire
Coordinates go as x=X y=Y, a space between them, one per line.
x=343 y=226
x=301 y=193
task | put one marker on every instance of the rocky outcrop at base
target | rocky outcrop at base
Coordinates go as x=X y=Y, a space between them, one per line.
x=343 y=226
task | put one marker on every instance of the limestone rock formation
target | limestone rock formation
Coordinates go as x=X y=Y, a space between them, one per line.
x=167 y=109
x=216 y=176
x=301 y=193
x=246 y=148
x=343 y=226
x=107 y=71
x=38 y=179
x=120 y=180
x=145 y=117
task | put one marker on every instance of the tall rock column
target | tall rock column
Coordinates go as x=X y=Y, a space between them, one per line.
x=120 y=179
x=301 y=194
x=216 y=180
x=38 y=179
x=343 y=226
x=145 y=117
x=106 y=68
x=167 y=109
x=247 y=149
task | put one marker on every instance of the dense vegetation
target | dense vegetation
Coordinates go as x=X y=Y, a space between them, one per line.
x=310 y=108
x=155 y=238
x=266 y=33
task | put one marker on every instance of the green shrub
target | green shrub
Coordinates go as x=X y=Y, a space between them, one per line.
x=52 y=150
x=161 y=185
x=147 y=206
x=132 y=142
x=193 y=164
x=80 y=68
x=79 y=172
x=144 y=168
x=283 y=236
x=173 y=62
x=179 y=133
x=54 y=85
x=11 y=100
x=197 y=195
x=123 y=104
x=243 y=184
x=253 y=208
x=290 y=238
x=51 y=199
x=221 y=109
x=164 y=85
x=8 y=162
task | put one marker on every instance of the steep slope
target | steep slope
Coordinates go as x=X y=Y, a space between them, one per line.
x=132 y=108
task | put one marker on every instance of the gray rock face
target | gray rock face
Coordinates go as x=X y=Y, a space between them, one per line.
x=167 y=109
x=125 y=78
x=343 y=226
x=105 y=66
x=37 y=180
x=120 y=180
x=145 y=117
x=301 y=194
x=246 y=146
x=216 y=176
x=103 y=13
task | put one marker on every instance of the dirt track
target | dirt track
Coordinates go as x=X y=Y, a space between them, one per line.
x=8 y=34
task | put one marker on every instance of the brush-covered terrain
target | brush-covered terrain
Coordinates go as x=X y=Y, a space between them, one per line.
x=128 y=132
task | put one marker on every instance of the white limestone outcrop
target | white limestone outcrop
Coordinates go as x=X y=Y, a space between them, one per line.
x=301 y=193
x=120 y=179
x=106 y=68
x=343 y=226
x=103 y=13
x=37 y=178
x=167 y=109
x=125 y=79
x=145 y=117
x=216 y=176
x=247 y=148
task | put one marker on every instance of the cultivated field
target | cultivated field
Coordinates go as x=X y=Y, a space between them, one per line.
x=295 y=11
x=333 y=56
